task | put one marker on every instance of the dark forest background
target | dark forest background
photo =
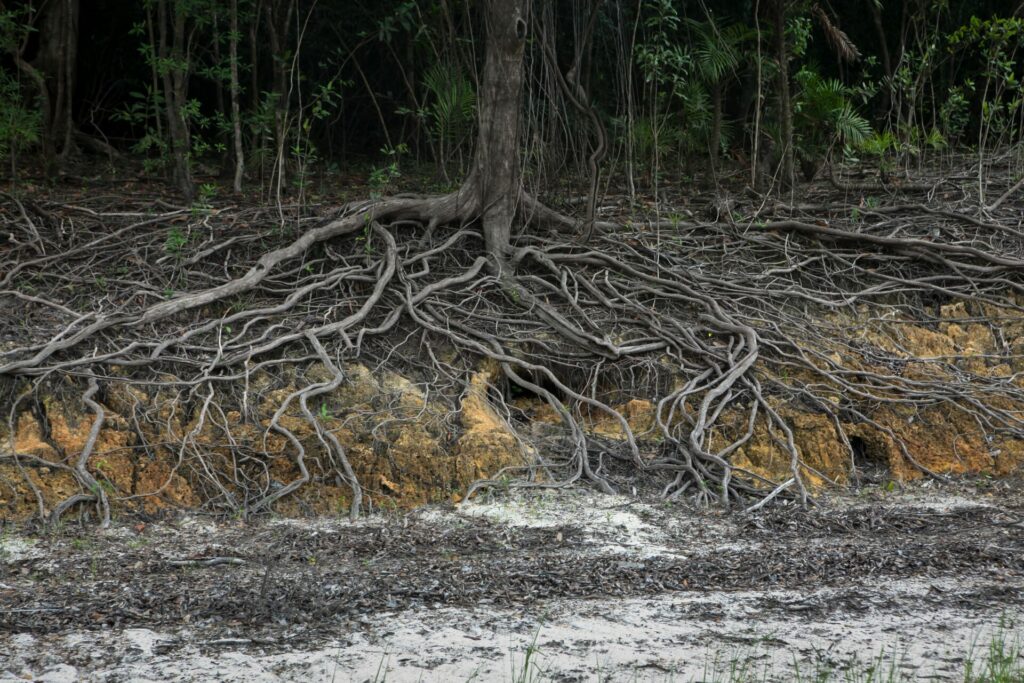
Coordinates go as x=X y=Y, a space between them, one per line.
x=280 y=96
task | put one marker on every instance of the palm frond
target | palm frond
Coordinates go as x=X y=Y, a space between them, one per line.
x=452 y=101
x=837 y=38
x=851 y=126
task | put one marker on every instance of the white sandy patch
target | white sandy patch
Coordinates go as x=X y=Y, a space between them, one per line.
x=615 y=523
x=680 y=637
x=918 y=626
x=17 y=549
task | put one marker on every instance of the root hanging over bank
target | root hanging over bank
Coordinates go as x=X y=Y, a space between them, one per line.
x=228 y=350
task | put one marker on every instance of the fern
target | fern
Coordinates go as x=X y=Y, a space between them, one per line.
x=713 y=56
x=451 y=108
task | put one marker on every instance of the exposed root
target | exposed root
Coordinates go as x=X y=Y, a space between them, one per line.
x=721 y=326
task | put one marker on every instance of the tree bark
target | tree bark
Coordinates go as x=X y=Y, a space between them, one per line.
x=236 y=118
x=785 y=108
x=175 y=80
x=883 y=44
x=52 y=71
x=279 y=16
x=715 y=143
x=495 y=181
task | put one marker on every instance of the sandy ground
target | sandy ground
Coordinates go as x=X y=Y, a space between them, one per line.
x=565 y=586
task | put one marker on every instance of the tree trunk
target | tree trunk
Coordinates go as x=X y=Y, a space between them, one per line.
x=279 y=16
x=715 y=143
x=785 y=106
x=883 y=44
x=175 y=78
x=495 y=182
x=154 y=72
x=236 y=118
x=52 y=71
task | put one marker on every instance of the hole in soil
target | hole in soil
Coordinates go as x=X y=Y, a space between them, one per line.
x=868 y=465
x=543 y=381
x=860 y=451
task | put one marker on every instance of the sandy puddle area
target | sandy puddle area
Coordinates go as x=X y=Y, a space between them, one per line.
x=556 y=585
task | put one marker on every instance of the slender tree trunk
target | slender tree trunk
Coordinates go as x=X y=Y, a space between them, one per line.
x=236 y=118
x=218 y=57
x=715 y=143
x=154 y=73
x=495 y=179
x=883 y=48
x=785 y=105
x=255 y=96
x=279 y=14
x=174 y=82
x=57 y=62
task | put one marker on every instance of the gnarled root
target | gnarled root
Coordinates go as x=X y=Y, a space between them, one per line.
x=720 y=326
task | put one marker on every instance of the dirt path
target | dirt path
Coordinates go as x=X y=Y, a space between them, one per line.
x=600 y=585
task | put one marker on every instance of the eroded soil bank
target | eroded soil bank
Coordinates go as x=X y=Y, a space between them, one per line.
x=159 y=360
x=591 y=587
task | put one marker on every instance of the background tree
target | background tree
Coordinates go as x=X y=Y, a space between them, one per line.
x=50 y=31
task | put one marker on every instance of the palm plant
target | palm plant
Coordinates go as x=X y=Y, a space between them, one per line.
x=450 y=110
x=715 y=56
x=823 y=117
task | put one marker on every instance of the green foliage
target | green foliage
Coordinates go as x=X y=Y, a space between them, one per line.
x=653 y=139
x=697 y=77
x=205 y=131
x=448 y=111
x=142 y=112
x=696 y=115
x=715 y=56
x=715 y=53
x=798 y=35
x=259 y=121
x=661 y=57
x=20 y=123
x=382 y=177
x=175 y=242
x=823 y=116
x=327 y=99
x=1001 y=662
x=996 y=41
x=207 y=191
x=955 y=114
x=403 y=19
x=686 y=73
x=14 y=27
x=451 y=108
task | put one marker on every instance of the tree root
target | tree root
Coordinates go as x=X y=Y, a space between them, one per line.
x=720 y=309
